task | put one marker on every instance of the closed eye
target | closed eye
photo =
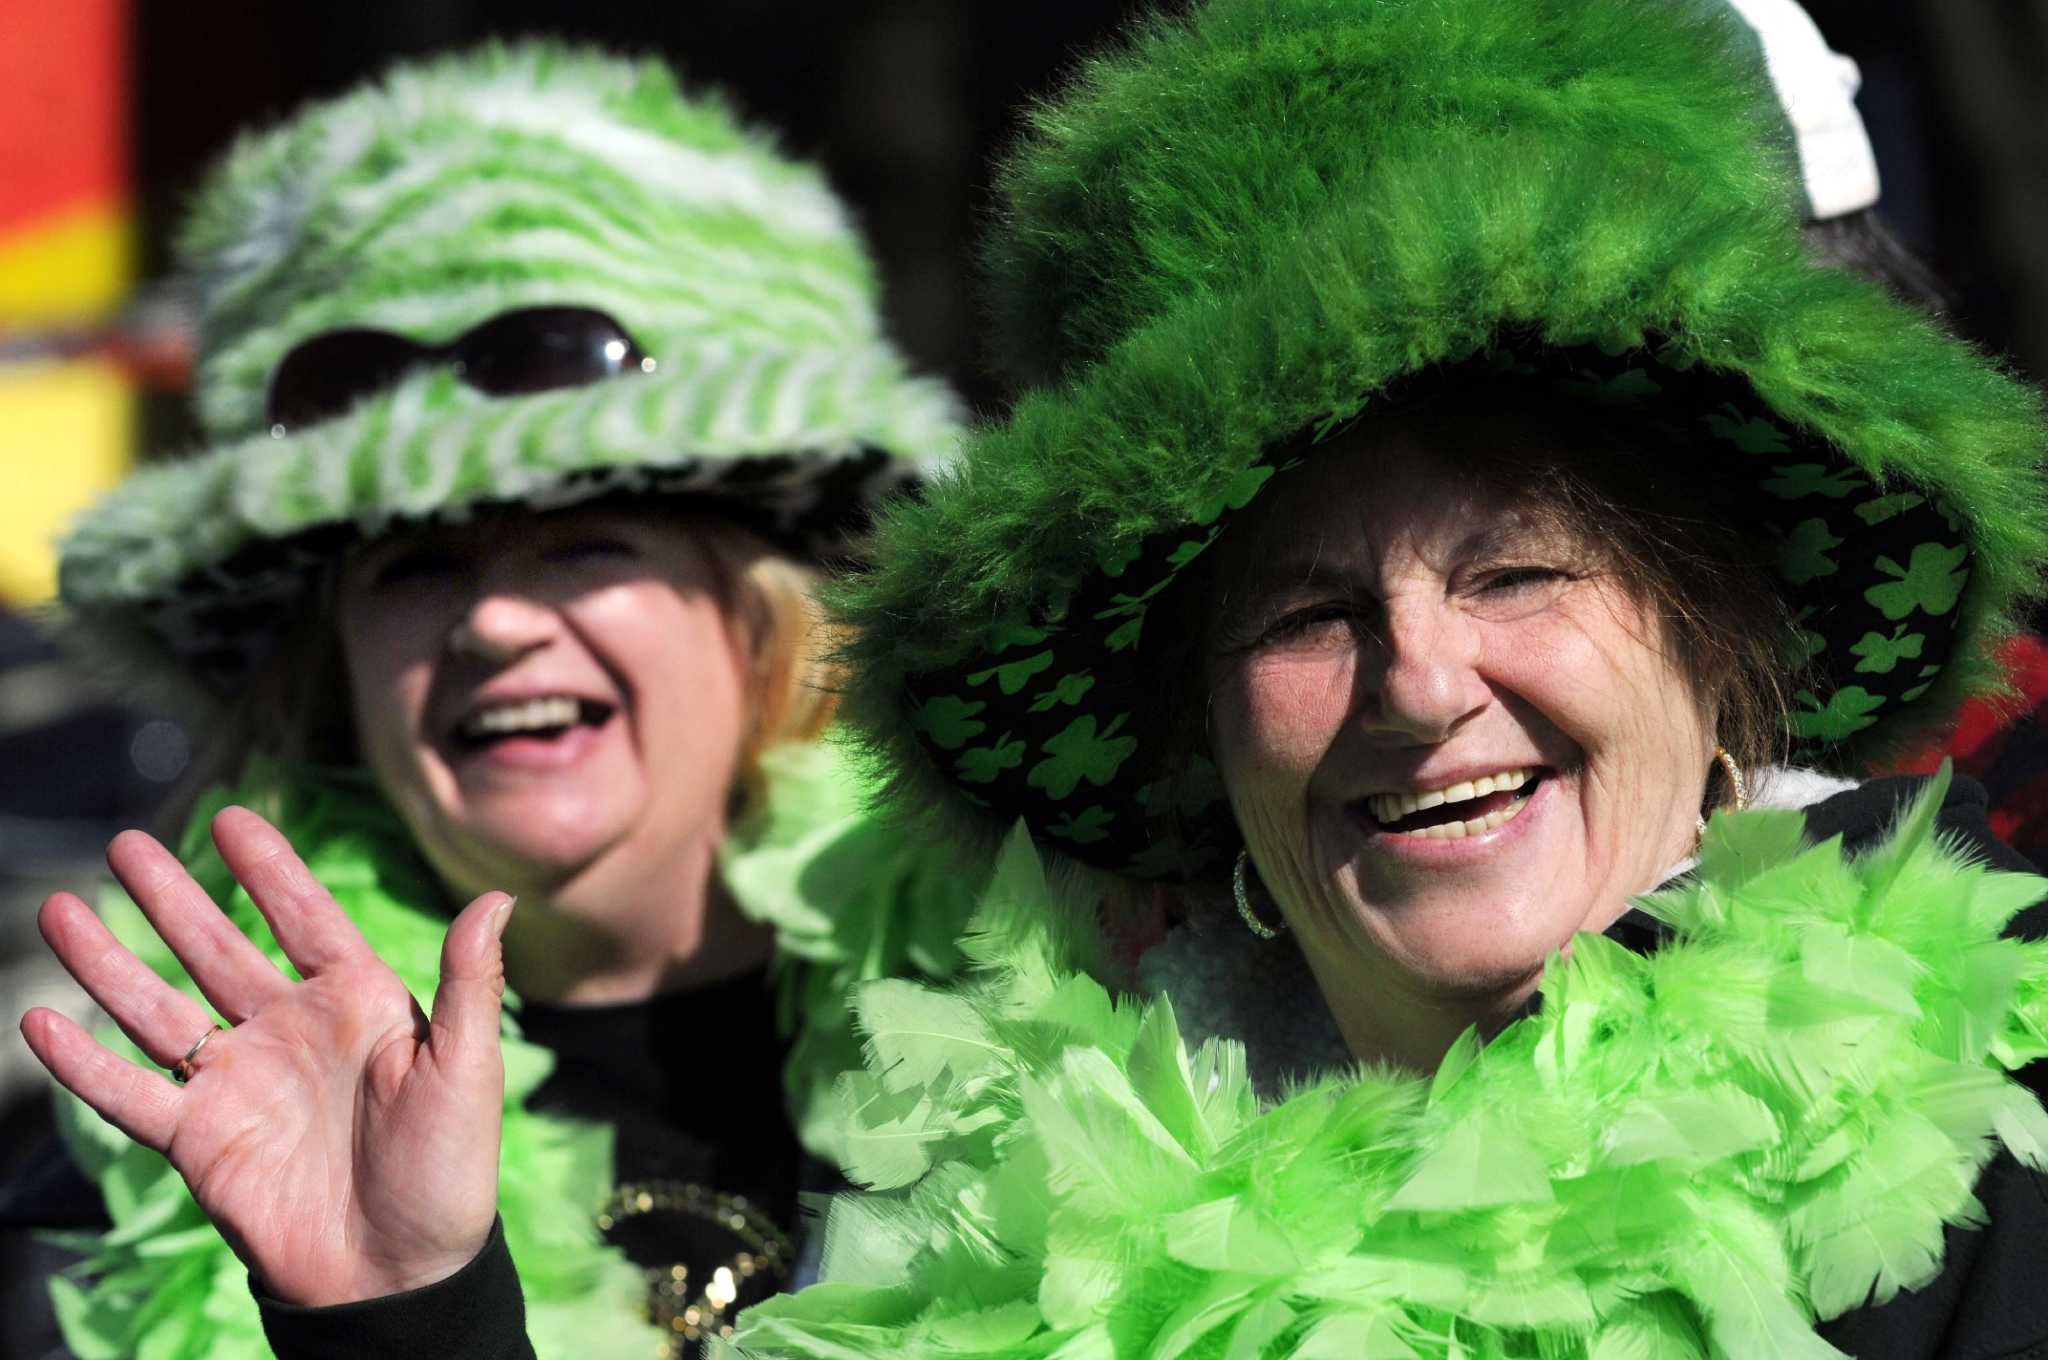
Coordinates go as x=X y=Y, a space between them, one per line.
x=1513 y=579
x=420 y=564
x=1311 y=623
x=594 y=548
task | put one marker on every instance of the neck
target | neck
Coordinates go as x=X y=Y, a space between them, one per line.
x=1384 y=1023
x=610 y=937
x=1384 y=1016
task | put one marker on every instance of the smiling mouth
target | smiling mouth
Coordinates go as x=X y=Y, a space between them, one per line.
x=1469 y=808
x=545 y=718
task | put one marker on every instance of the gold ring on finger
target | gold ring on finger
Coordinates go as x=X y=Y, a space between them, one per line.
x=183 y=1068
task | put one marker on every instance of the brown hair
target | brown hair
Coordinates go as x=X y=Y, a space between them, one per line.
x=1644 y=512
x=297 y=706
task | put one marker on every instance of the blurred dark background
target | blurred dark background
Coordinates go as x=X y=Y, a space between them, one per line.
x=905 y=103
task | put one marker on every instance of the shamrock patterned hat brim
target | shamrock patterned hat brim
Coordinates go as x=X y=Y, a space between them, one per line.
x=1190 y=298
x=428 y=203
x=1874 y=577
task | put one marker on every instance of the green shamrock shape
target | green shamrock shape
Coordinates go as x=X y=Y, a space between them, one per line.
x=982 y=764
x=1080 y=752
x=1751 y=436
x=1193 y=791
x=1847 y=711
x=1880 y=653
x=948 y=721
x=1070 y=690
x=1158 y=859
x=1117 y=558
x=1124 y=635
x=1885 y=507
x=1627 y=388
x=1803 y=553
x=1235 y=494
x=1806 y=644
x=1800 y=480
x=1674 y=357
x=1010 y=678
x=1189 y=550
x=1170 y=857
x=1932 y=581
x=1123 y=606
x=1012 y=630
x=1085 y=829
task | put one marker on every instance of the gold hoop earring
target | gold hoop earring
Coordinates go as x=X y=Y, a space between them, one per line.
x=1243 y=896
x=1735 y=779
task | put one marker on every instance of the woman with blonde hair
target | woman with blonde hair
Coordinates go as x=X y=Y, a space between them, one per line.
x=539 y=393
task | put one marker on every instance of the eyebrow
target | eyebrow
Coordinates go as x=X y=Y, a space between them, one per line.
x=1295 y=570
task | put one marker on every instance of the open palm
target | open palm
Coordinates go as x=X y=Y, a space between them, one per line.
x=346 y=1146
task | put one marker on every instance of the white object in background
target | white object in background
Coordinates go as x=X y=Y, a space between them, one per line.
x=1817 y=87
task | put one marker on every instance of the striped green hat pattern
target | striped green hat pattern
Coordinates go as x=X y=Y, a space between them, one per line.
x=434 y=200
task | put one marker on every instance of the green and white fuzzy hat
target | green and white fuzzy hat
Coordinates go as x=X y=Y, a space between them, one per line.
x=1242 y=229
x=434 y=200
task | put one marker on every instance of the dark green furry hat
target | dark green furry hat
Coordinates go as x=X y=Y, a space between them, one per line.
x=1244 y=226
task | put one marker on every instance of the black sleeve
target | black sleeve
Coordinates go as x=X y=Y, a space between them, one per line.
x=1865 y=813
x=44 y=1193
x=478 y=1313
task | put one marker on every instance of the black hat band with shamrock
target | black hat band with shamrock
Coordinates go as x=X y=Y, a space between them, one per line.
x=1043 y=724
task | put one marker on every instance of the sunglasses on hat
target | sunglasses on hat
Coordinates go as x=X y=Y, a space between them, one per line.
x=533 y=349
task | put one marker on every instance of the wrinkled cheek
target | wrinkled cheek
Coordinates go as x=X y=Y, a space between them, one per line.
x=1277 y=719
x=1273 y=726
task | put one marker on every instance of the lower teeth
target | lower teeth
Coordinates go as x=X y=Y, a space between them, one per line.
x=1457 y=831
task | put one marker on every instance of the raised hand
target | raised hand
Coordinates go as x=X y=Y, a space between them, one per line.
x=346 y=1146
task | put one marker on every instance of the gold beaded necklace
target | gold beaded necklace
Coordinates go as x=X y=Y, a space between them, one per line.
x=687 y=1311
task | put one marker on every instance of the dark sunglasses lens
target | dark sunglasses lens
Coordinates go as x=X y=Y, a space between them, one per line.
x=325 y=376
x=542 y=348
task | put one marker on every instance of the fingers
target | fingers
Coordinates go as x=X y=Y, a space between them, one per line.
x=231 y=971
x=314 y=933
x=163 y=1021
x=143 y=1105
x=464 y=1028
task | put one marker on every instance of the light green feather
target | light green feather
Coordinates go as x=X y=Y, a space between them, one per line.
x=1697 y=1153
x=851 y=900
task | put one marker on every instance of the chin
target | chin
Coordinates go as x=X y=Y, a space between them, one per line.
x=533 y=838
x=1466 y=979
x=1480 y=958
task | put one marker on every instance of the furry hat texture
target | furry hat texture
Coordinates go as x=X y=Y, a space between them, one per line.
x=1241 y=226
x=438 y=198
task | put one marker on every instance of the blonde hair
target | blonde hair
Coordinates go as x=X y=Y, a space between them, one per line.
x=297 y=705
x=773 y=599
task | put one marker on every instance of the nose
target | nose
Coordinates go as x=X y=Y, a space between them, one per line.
x=1428 y=680
x=501 y=626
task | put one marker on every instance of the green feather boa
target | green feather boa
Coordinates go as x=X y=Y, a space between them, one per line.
x=1693 y=1153
x=851 y=901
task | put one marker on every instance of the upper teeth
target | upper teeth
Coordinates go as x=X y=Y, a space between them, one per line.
x=526 y=715
x=1392 y=807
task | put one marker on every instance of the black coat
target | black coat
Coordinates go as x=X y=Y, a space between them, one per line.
x=1990 y=1301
